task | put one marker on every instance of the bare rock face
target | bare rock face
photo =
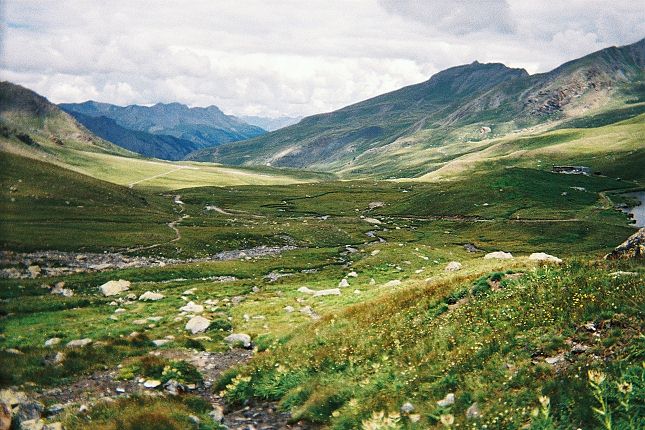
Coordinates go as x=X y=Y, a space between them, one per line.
x=633 y=247
x=112 y=288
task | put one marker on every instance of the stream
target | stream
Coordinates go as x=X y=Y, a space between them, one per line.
x=637 y=213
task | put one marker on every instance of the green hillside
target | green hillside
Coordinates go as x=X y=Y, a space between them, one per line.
x=413 y=131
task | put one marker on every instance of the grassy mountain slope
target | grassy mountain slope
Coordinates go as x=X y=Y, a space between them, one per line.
x=204 y=127
x=147 y=144
x=397 y=133
x=32 y=127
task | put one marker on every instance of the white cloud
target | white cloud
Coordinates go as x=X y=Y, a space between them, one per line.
x=288 y=57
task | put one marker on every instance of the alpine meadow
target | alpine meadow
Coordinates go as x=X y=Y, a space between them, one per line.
x=259 y=217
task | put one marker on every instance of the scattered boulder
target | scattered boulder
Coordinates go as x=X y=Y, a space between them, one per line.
x=61 y=291
x=174 y=388
x=193 y=308
x=238 y=338
x=343 y=283
x=27 y=414
x=79 y=343
x=329 y=292
x=152 y=383
x=372 y=220
x=542 y=257
x=160 y=342
x=289 y=309
x=447 y=401
x=306 y=290
x=555 y=359
x=34 y=271
x=197 y=324
x=352 y=274
x=499 y=255
x=53 y=426
x=113 y=288
x=53 y=341
x=374 y=205
x=392 y=283
x=307 y=310
x=633 y=247
x=407 y=408
x=217 y=414
x=469 y=247
x=149 y=296
x=453 y=266
x=473 y=412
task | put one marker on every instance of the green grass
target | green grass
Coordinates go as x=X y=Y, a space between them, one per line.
x=409 y=346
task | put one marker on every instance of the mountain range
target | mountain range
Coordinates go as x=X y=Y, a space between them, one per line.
x=420 y=128
x=168 y=131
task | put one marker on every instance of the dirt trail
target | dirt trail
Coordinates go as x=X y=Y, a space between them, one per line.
x=132 y=184
x=172 y=225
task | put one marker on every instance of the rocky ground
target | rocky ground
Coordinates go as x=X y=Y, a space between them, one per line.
x=57 y=263
x=105 y=386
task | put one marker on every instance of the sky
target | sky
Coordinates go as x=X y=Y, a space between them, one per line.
x=289 y=57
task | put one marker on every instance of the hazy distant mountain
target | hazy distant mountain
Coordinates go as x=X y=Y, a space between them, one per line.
x=204 y=127
x=398 y=133
x=147 y=144
x=271 y=124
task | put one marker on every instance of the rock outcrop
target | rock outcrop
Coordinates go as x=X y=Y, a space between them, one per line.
x=633 y=247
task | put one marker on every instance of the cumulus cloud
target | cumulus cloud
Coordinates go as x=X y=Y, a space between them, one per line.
x=288 y=57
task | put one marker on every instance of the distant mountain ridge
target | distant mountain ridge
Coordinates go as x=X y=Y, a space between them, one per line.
x=398 y=133
x=186 y=129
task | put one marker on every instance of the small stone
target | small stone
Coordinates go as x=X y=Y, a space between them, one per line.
x=34 y=271
x=239 y=338
x=372 y=281
x=393 y=283
x=289 y=309
x=352 y=275
x=447 y=401
x=579 y=348
x=453 y=266
x=499 y=255
x=555 y=359
x=53 y=426
x=407 y=408
x=152 y=383
x=306 y=290
x=372 y=220
x=79 y=343
x=150 y=296
x=473 y=412
x=160 y=342
x=119 y=311
x=542 y=257
x=329 y=292
x=375 y=252
x=55 y=409
x=255 y=289
x=343 y=283
x=217 y=414
x=140 y=321
x=193 y=308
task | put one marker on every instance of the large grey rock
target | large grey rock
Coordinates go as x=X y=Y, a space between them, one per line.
x=113 y=288
x=239 y=338
x=197 y=324
x=26 y=412
x=53 y=341
x=306 y=290
x=392 y=283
